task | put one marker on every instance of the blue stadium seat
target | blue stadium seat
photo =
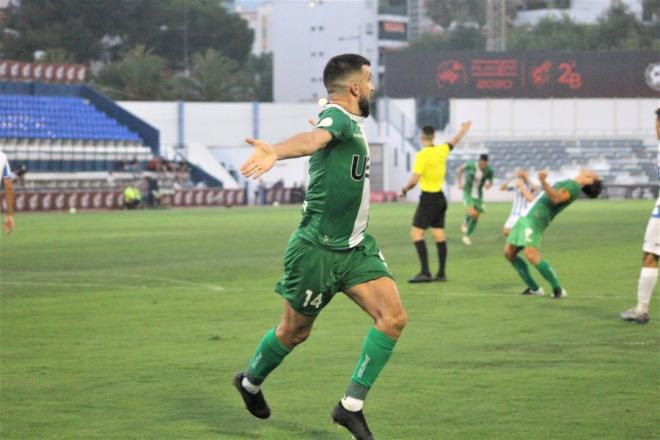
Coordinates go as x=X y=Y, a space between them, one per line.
x=58 y=117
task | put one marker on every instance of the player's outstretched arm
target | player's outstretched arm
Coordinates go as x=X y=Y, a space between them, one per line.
x=459 y=176
x=265 y=155
x=465 y=127
x=505 y=185
x=529 y=195
x=555 y=196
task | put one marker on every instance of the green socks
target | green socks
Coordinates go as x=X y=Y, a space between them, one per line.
x=376 y=351
x=523 y=270
x=549 y=274
x=270 y=353
x=471 y=224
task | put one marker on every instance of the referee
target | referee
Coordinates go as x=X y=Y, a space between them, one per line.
x=429 y=170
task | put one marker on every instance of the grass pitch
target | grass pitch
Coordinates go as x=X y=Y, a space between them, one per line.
x=130 y=325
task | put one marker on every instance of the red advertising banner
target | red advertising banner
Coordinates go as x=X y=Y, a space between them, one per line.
x=38 y=201
x=35 y=201
x=47 y=72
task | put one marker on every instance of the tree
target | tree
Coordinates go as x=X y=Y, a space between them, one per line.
x=619 y=29
x=551 y=34
x=138 y=76
x=445 y=12
x=76 y=26
x=260 y=71
x=459 y=38
x=57 y=55
x=81 y=26
x=214 y=77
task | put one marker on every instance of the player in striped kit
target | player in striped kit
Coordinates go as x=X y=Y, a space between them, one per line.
x=649 y=273
x=523 y=194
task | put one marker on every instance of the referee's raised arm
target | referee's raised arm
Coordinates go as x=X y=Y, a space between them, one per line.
x=465 y=127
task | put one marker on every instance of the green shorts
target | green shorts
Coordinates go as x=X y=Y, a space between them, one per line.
x=525 y=233
x=477 y=204
x=313 y=274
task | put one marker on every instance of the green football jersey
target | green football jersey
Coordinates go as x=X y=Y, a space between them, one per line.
x=541 y=211
x=475 y=179
x=336 y=207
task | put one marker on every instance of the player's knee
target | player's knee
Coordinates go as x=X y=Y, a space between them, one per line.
x=509 y=253
x=394 y=323
x=649 y=260
x=293 y=335
x=439 y=235
x=532 y=256
x=300 y=335
x=416 y=235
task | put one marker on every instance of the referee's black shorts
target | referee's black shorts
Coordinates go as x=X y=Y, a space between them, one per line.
x=430 y=211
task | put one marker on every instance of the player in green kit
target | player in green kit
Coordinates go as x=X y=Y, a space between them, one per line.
x=478 y=175
x=528 y=230
x=330 y=250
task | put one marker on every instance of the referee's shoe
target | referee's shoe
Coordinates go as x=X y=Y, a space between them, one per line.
x=421 y=278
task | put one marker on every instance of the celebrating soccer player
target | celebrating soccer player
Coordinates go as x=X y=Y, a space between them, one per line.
x=478 y=175
x=330 y=250
x=429 y=170
x=528 y=230
x=523 y=194
x=649 y=273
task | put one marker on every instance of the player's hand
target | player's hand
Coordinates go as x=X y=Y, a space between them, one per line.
x=543 y=174
x=402 y=194
x=312 y=122
x=263 y=158
x=465 y=126
x=8 y=224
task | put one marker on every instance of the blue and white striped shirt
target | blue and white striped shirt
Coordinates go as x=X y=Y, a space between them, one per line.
x=519 y=201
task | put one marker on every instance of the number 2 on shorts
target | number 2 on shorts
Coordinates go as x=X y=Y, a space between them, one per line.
x=316 y=302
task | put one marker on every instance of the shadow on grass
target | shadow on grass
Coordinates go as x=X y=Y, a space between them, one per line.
x=234 y=422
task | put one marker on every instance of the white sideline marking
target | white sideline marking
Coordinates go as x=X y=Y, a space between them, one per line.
x=174 y=280
x=518 y=295
x=50 y=283
x=138 y=277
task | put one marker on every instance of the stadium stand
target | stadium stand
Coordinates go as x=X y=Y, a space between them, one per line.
x=69 y=128
x=619 y=161
x=56 y=117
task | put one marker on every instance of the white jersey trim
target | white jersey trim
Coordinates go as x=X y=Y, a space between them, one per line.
x=362 y=218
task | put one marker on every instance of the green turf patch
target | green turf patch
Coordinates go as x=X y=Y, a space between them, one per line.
x=130 y=325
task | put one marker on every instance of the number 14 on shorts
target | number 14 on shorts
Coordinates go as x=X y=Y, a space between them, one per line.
x=316 y=302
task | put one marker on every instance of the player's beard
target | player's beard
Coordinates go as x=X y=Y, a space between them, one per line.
x=363 y=104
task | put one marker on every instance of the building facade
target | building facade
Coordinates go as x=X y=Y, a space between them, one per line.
x=305 y=35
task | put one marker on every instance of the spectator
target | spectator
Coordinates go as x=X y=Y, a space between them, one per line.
x=154 y=164
x=132 y=197
x=21 y=171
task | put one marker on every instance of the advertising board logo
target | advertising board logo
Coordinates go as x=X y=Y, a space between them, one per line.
x=59 y=201
x=541 y=74
x=450 y=73
x=97 y=200
x=47 y=202
x=652 y=76
x=33 y=202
